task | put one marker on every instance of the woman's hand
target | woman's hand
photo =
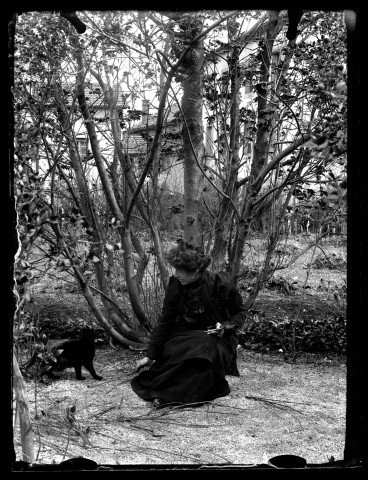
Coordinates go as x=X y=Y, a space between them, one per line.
x=144 y=364
x=218 y=331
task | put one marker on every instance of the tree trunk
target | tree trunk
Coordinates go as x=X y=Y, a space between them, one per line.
x=92 y=134
x=88 y=211
x=26 y=433
x=260 y=149
x=145 y=208
x=131 y=278
x=192 y=106
x=106 y=325
x=224 y=218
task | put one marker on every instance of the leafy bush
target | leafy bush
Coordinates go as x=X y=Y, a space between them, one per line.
x=332 y=261
x=281 y=285
x=327 y=335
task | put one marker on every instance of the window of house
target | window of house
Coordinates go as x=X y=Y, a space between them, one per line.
x=247 y=88
x=82 y=146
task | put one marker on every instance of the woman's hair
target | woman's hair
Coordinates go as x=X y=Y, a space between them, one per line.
x=189 y=257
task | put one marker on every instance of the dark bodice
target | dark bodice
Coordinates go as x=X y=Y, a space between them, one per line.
x=191 y=311
x=197 y=306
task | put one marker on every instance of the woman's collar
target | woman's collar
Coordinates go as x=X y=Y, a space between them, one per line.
x=196 y=282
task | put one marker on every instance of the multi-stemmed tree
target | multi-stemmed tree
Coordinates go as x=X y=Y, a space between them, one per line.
x=88 y=212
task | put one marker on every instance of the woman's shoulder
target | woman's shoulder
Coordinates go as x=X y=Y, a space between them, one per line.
x=173 y=291
x=174 y=284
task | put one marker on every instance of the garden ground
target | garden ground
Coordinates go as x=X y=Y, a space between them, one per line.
x=274 y=407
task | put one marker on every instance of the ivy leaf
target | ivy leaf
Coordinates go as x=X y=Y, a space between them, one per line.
x=95 y=259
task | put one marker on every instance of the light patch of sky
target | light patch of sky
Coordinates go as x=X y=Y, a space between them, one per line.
x=149 y=91
x=129 y=71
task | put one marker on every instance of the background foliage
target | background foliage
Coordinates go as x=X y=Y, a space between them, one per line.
x=102 y=221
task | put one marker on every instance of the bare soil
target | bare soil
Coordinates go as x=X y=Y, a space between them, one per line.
x=274 y=407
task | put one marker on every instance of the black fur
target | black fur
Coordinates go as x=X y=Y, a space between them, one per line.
x=76 y=353
x=62 y=354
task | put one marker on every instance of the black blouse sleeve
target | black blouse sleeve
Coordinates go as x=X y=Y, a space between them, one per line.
x=231 y=300
x=166 y=321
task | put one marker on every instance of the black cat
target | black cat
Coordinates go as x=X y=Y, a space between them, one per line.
x=57 y=355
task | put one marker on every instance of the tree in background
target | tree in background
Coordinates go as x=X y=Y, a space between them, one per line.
x=297 y=129
x=92 y=214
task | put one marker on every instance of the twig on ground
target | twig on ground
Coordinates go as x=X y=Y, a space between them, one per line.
x=274 y=403
x=152 y=418
x=121 y=382
x=141 y=427
x=98 y=414
x=146 y=448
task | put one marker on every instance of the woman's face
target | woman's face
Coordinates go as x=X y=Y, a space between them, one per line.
x=186 y=276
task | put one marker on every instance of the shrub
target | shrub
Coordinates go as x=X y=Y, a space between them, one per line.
x=332 y=261
x=327 y=335
x=281 y=285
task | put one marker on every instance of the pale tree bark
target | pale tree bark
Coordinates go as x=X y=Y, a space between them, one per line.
x=113 y=332
x=260 y=148
x=109 y=300
x=154 y=201
x=132 y=279
x=124 y=218
x=132 y=339
x=147 y=209
x=194 y=138
x=26 y=433
x=92 y=134
x=260 y=168
x=192 y=106
x=225 y=218
x=119 y=330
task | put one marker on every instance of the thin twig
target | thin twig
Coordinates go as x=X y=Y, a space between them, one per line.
x=146 y=429
x=98 y=414
x=273 y=403
x=124 y=418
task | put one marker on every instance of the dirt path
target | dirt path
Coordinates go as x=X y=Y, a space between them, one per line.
x=274 y=408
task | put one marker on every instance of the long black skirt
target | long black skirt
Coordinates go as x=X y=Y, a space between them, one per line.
x=192 y=369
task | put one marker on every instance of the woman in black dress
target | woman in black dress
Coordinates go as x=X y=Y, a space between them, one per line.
x=194 y=344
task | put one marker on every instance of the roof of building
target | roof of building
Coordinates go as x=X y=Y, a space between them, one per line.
x=172 y=115
x=94 y=95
